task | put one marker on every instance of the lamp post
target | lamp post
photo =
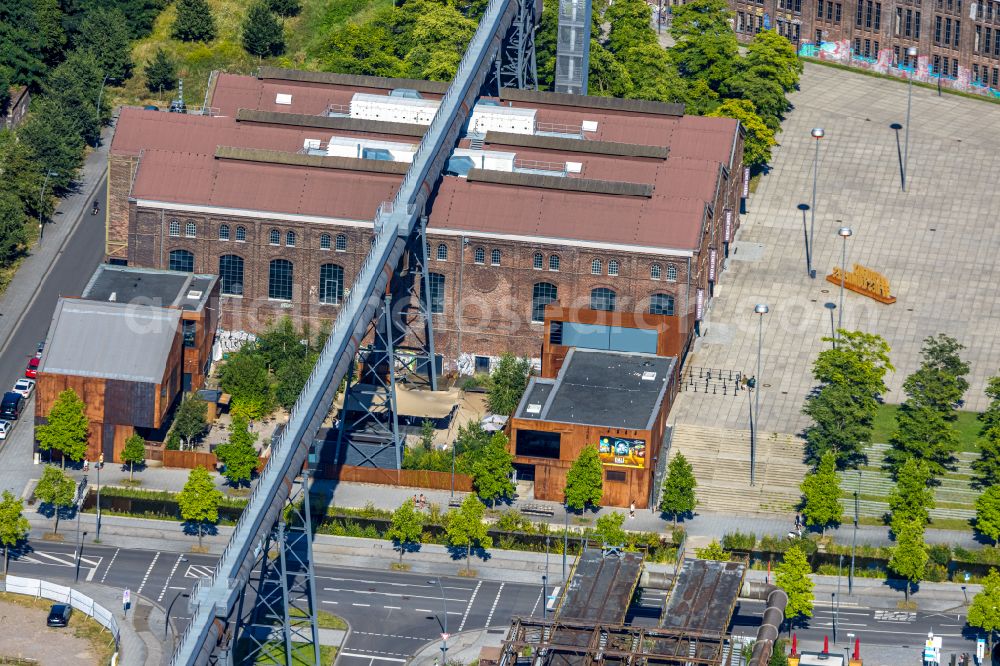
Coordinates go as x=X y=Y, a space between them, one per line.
x=545 y=596
x=854 y=538
x=100 y=95
x=565 y=537
x=911 y=52
x=41 y=205
x=166 y=622
x=845 y=233
x=453 y=445
x=444 y=635
x=100 y=464
x=760 y=309
x=817 y=134
x=836 y=612
x=833 y=331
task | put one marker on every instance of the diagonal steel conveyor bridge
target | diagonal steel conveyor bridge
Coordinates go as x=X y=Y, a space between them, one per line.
x=214 y=599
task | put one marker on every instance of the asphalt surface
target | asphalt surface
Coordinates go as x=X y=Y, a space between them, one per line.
x=83 y=251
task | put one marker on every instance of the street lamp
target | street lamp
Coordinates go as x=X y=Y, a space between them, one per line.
x=166 y=622
x=100 y=464
x=911 y=52
x=444 y=634
x=760 y=309
x=817 y=134
x=565 y=537
x=854 y=538
x=845 y=233
x=833 y=332
x=41 y=205
x=545 y=596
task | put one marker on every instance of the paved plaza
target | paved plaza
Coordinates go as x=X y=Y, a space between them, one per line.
x=936 y=243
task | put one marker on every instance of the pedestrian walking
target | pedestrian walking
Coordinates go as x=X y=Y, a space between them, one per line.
x=631 y=510
x=423 y=501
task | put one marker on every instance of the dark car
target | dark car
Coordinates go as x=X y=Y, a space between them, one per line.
x=59 y=615
x=10 y=406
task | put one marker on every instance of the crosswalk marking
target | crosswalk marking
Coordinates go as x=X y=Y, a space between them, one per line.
x=199 y=571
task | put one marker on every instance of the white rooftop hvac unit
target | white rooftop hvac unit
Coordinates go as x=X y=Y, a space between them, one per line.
x=490 y=117
x=366 y=106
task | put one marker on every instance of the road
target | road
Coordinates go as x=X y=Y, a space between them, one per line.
x=83 y=251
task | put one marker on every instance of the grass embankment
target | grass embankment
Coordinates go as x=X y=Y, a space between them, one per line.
x=83 y=626
x=196 y=60
x=967 y=425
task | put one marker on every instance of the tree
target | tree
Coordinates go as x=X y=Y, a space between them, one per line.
x=161 y=72
x=365 y=48
x=239 y=455
x=987 y=466
x=609 y=528
x=678 y=489
x=199 y=501
x=292 y=377
x=654 y=76
x=57 y=489
x=194 y=22
x=134 y=453
x=104 y=34
x=821 y=494
x=285 y=8
x=22 y=43
x=988 y=514
x=507 y=384
x=792 y=576
x=75 y=86
x=984 y=611
x=14 y=527
x=493 y=469
x=771 y=52
x=67 y=428
x=940 y=381
x=52 y=141
x=607 y=76
x=13 y=232
x=630 y=25
x=262 y=33
x=991 y=415
x=189 y=421
x=712 y=551
x=909 y=557
x=465 y=527
x=244 y=377
x=759 y=137
x=912 y=498
x=706 y=45
x=851 y=380
x=585 y=480
x=406 y=528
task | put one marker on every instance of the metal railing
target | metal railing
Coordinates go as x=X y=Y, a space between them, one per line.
x=560 y=128
x=537 y=165
x=338 y=110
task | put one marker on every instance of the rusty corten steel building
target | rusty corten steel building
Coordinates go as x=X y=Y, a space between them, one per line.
x=591 y=202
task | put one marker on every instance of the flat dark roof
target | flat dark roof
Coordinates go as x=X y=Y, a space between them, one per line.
x=602 y=388
x=601 y=587
x=704 y=596
x=125 y=284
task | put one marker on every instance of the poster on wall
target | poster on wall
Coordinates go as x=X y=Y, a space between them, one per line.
x=622 y=452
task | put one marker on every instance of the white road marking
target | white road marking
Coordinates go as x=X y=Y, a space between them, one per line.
x=468 y=608
x=59 y=559
x=369 y=656
x=363 y=605
x=392 y=607
x=422 y=639
x=169 y=576
x=331 y=602
x=389 y=583
x=489 y=618
x=535 y=607
x=113 y=557
x=148 y=571
x=389 y=594
x=175 y=587
x=423 y=610
x=199 y=571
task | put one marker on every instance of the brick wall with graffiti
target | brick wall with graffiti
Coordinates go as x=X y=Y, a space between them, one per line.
x=842 y=52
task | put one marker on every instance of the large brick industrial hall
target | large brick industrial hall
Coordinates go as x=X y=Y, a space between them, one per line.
x=588 y=202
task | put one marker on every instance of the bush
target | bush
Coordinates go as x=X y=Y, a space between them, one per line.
x=940 y=554
x=739 y=541
x=935 y=573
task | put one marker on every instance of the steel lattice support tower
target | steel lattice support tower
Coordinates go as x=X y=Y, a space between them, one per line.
x=573 y=47
x=515 y=65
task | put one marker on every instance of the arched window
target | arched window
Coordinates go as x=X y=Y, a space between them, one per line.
x=290 y=238
x=596 y=267
x=671 y=273
x=331 y=284
x=231 y=274
x=175 y=228
x=279 y=280
x=442 y=254
x=437 y=292
x=542 y=294
x=324 y=242
x=480 y=256
x=241 y=234
x=613 y=267
x=190 y=230
x=602 y=298
x=537 y=261
x=274 y=238
x=341 y=244
x=656 y=271
x=181 y=260
x=554 y=262
x=495 y=257
x=661 y=304
x=223 y=232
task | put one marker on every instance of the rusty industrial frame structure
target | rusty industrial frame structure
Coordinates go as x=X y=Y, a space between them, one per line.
x=565 y=643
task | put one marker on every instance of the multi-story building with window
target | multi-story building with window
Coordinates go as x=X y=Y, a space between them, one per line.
x=593 y=203
x=956 y=39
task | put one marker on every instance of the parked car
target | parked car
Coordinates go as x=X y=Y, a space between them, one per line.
x=59 y=615
x=10 y=406
x=32 y=370
x=24 y=387
x=41 y=348
x=5 y=427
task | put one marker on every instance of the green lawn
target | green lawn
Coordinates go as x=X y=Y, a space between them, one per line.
x=302 y=653
x=967 y=425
